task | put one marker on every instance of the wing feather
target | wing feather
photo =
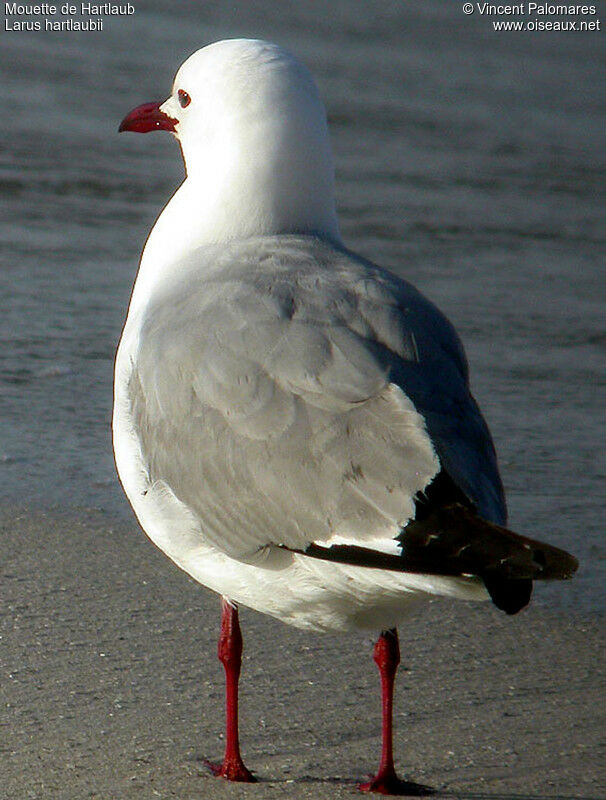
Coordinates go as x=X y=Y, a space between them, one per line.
x=290 y=394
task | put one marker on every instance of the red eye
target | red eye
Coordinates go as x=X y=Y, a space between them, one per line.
x=184 y=98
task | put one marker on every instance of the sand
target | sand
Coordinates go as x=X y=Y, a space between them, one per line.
x=111 y=688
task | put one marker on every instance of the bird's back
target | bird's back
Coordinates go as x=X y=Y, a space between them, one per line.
x=309 y=323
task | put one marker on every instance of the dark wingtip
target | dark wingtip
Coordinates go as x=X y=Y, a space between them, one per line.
x=509 y=595
x=553 y=563
x=513 y=594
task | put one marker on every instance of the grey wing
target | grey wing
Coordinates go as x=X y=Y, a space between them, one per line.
x=293 y=398
x=439 y=389
x=435 y=376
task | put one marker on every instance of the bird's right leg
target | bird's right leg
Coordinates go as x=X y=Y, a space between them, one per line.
x=386 y=655
x=229 y=652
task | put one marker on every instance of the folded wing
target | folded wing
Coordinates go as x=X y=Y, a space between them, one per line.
x=290 y=393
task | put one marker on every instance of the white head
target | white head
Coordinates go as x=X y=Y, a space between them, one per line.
x=253 y=133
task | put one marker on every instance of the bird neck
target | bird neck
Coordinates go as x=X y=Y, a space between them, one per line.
x=232 y=204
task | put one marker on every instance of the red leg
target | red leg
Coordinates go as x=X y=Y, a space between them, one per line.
x=229 y=653
x=387 y=657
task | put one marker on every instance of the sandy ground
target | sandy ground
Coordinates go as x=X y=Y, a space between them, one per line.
x=111 y=688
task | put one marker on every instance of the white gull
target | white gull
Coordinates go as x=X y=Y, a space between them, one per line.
x=293 y=425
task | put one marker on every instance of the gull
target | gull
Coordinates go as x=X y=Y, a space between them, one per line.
x=293 y=424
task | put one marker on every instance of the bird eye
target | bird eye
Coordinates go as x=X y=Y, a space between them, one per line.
x=184 y=98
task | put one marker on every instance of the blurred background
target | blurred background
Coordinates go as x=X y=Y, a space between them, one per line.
x=469 y=161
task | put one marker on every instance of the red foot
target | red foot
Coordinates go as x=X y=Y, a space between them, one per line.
x=232 y=770
x=389 y=783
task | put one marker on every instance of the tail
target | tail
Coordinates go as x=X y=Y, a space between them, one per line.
x=453 y=540
x=463 y=543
